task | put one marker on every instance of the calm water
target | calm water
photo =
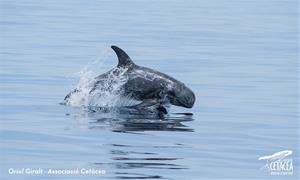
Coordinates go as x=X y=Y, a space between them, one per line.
x=239 y=57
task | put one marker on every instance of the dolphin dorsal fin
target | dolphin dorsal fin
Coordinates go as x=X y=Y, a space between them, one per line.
x=124 y=59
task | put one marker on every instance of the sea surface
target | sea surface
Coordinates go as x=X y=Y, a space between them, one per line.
x=241 y=58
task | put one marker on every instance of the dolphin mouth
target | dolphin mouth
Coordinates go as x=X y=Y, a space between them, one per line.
x=188 y=105
x=186 y=102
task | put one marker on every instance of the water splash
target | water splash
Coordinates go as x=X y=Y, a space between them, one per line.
x=105 y=90
x=108 y=91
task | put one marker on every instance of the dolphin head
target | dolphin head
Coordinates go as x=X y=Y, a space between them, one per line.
x=180 y=95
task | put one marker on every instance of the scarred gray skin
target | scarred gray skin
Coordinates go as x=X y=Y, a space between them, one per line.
x=146 y=85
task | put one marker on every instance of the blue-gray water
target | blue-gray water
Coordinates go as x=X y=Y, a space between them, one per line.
x=239 y=57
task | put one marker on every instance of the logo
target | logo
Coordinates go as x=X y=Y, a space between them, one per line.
x=278 y=163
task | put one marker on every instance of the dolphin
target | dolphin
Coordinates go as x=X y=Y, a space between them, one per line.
x=147 y=86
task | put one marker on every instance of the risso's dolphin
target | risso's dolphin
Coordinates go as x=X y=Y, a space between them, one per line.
x=148 y=86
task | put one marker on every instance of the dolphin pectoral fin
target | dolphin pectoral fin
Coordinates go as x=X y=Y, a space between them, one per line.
x=150 y=102
x=162 y=109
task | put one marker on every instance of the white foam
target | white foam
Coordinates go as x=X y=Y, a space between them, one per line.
x=108 y=94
